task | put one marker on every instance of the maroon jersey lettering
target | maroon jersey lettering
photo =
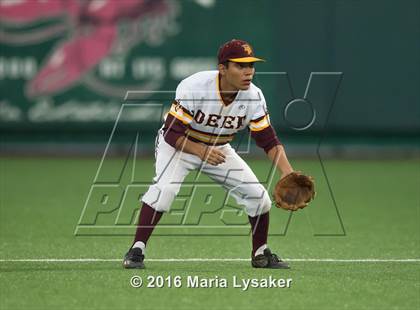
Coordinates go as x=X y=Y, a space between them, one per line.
x=228 y=122
x=199 y=117
x=240 y=121
x=213 y=119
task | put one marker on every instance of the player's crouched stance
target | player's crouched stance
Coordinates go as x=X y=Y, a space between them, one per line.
x=210 y=107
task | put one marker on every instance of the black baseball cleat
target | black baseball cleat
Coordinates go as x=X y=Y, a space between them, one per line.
x=134 y=259
x=268 y=260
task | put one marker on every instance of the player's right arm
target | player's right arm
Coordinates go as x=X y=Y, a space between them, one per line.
x=207 y=153
x=176 y=125
x=179 y=118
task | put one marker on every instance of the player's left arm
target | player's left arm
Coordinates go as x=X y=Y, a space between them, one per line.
x=278 y=156
x=265 y=136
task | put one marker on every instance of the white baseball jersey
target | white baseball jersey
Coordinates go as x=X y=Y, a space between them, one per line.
x=199 y=105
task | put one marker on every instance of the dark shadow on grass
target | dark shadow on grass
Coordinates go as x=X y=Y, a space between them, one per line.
x=189 y=268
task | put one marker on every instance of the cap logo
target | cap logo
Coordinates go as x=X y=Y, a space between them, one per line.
x=247 y=49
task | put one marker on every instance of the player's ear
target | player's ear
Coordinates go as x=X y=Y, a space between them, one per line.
x=222 y=69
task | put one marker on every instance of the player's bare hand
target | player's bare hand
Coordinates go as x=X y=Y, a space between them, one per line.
x=212 y=155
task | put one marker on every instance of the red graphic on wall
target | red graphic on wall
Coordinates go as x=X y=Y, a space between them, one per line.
x=94 y=34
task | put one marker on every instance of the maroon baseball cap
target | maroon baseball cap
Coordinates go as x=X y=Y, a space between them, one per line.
x=237 y=51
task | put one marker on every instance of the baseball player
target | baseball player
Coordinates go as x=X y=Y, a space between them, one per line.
x=209 y=109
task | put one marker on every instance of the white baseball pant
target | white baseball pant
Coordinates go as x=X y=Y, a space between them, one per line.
x=172 y=166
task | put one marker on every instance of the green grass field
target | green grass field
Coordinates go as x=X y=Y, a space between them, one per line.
x=41 y=201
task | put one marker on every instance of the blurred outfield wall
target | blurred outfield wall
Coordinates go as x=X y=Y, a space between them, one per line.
x=66 y=66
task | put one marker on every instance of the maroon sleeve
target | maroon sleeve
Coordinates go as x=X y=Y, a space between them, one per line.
x=173 y=129
x=266 y=138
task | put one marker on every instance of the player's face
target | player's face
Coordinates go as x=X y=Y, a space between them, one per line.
x=239 y=75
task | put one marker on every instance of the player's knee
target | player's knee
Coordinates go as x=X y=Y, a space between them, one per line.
x=265 y=204
x=170 y=191
x=259 y=206
x=160 y=198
